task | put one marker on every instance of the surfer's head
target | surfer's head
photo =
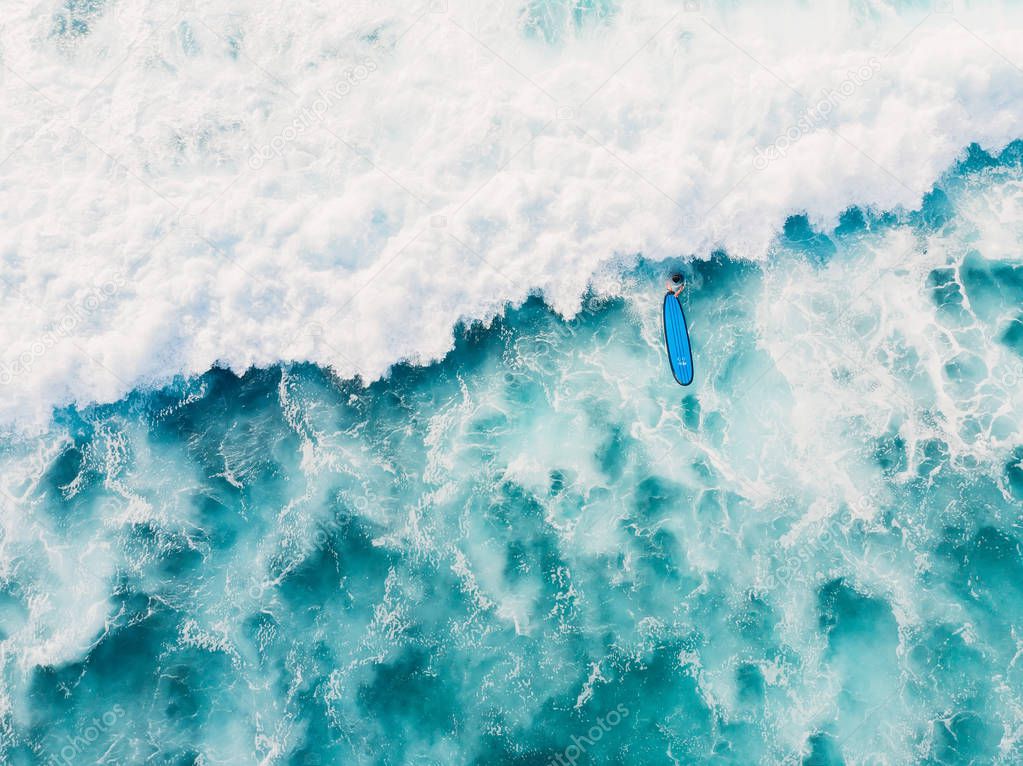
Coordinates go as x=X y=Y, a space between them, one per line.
x=676 y=279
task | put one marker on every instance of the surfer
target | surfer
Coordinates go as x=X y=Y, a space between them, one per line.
x=676 y=334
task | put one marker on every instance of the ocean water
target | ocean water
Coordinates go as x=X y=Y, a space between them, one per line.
x=811 y=556
x=362 y=448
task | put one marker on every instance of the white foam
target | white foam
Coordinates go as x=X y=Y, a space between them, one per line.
x=455 y=164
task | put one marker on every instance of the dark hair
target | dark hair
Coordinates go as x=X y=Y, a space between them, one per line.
x=676 y=278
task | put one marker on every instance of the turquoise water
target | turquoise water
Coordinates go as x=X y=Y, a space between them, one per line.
x=541 y=550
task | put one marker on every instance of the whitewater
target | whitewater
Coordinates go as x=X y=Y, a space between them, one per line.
x=335 y=422
x=244 y=186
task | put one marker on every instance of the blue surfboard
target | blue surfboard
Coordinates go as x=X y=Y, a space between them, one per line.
x=676 y=337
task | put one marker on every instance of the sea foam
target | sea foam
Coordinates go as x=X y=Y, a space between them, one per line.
x=216 y=184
